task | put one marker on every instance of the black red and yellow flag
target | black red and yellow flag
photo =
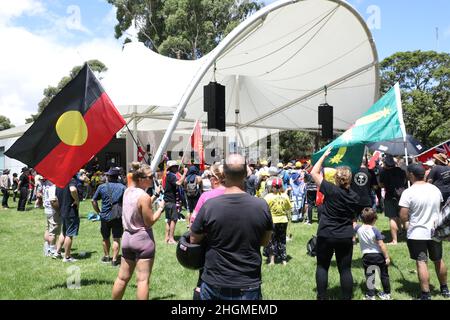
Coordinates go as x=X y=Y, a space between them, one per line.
x=78 y=122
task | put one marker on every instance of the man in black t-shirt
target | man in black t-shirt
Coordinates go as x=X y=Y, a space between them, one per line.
x=170 y=198
x=69 y=204
x=23 y=188
x=362 y=185
x=440 y=175
x=393 y=180
x=237 y=225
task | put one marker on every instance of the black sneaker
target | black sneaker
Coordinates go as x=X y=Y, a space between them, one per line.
x=424 y=297
x=445 y=293
x=106 y=259
x=115 y=263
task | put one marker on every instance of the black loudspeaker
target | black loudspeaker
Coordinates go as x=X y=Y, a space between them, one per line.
x=326 y=120
x=214 y=104
x=148 y=148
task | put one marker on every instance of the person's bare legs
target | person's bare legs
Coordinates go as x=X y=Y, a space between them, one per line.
x=125 y=272
x=60 y=243
x=441 y=271
x=67 y=246
x=172 y=232
x=106 y=247
x=394 y=230
x=166 y=237
x=143 y=272
x=424 y=276
x=115 y=248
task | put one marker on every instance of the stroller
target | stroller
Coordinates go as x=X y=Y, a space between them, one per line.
x=298 y=195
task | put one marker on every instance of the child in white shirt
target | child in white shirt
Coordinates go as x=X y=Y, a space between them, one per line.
x=375 y=255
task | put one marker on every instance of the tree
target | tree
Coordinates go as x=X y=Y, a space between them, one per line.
x=97 y=66
x=5 y=123
x=183 y=29
x=296 y=144
x=424 y=79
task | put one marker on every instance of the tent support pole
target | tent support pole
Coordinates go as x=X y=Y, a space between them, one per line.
x=234 y=37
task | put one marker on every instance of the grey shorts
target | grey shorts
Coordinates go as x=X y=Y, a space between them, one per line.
x=139 y=245
x=171 y=212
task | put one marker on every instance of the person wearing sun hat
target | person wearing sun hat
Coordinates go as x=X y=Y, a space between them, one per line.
x=170 y=198
x=5 y=185
x=280 y=209
x=440 y=175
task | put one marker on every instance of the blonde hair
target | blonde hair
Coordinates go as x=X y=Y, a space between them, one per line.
x=343 y=177
x=135 y=165
x=141 y=172
x=217 y=171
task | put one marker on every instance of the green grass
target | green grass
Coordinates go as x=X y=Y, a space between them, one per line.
x=26 y=274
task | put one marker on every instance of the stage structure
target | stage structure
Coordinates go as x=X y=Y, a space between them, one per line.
x=275 y=67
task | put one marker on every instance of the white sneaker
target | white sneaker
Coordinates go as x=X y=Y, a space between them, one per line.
x=45 y=249
x=367 y=297
x=56 y=255
x=384 y=296
x=69 y=259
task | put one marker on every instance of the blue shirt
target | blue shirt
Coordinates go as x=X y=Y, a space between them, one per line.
x=103 y=191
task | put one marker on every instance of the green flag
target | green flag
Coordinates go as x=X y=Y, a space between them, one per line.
x=383 y=121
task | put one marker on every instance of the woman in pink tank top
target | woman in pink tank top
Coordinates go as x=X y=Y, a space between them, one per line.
x=138 y=244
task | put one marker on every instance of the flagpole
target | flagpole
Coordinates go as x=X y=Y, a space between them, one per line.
x=137 y=145
x=189 y=141
x=402 y=122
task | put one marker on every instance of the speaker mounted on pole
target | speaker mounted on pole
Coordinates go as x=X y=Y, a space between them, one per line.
x=326 y=120
x=214 y=105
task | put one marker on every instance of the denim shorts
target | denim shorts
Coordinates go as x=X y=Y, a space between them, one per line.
x=208 y=292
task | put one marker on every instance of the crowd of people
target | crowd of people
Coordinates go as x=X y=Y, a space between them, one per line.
x=234 y=208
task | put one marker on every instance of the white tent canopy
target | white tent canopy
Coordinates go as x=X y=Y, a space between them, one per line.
x=274 y=65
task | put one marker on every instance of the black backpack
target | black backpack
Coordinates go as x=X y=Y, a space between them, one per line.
x=311 y=247
x=192 y=189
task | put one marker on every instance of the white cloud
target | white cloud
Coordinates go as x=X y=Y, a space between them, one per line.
x=32 y=61
x=16 y=8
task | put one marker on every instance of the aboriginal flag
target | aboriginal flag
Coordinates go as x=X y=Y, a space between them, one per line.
x=78 y=122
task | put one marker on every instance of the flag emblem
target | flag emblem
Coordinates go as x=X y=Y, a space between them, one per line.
x=78 y=122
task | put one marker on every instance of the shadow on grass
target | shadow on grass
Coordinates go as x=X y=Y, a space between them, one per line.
x=163 y=297
x=335 y=292
x=401 y=237
x=84 y=282
x=83 y=255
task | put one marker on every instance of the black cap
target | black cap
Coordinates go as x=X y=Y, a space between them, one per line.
x=416 y=169
x=389 y=161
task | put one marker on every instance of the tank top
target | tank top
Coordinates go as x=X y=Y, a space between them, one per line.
x=132 y=219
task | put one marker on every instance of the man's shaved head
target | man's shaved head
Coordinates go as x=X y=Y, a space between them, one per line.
x=235 y=170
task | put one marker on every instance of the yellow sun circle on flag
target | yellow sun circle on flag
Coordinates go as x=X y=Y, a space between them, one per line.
x=71 y=128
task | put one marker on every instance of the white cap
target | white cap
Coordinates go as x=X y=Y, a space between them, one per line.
x=171 y=163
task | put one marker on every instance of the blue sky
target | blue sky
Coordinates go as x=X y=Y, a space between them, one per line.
x=407 y=25
x=44 y=39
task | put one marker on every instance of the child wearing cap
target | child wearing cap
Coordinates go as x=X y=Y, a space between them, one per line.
x=280 y=208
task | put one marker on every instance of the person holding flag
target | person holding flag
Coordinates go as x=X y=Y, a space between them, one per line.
x=383 y=121
x=335 y=232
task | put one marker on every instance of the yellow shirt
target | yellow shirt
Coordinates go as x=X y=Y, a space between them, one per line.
x=280 y=207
